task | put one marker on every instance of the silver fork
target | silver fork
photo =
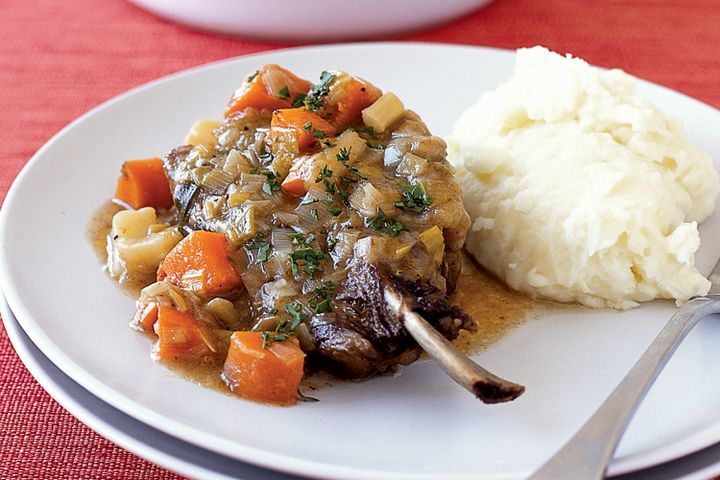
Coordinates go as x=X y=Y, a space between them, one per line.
x=586 y=455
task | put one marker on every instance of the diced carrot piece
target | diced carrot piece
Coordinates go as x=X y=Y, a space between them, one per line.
x=145 y=317
x=347 y=111
x=272 y=87
x=305 y=126
x=143 y=183
x=294 y=185
x=182 y=336
x=200 y=263
x=270 y=374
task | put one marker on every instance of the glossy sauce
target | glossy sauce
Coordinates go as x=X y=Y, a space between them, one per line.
x=496 y=308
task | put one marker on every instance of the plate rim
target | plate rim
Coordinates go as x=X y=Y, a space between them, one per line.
x=258 y=456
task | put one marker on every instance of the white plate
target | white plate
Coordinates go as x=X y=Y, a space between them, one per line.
x=186 y=459
x=310 y=20
x=133 y=435
x=415 y=425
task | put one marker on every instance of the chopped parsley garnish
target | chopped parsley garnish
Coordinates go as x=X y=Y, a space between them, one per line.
x=320 y=301
x=314 y=100
x=324 y=177
x=284 y=93
x=383 y=224
x=314 y=213
x=357 y=172
x=334 y=211
x=304 y=257
x=262 y=247
x=328 y=143
x=272 y=184
x=295 y=311
x=268 y=337
x=299 y=100
x=366 y=130
x=343 y=155
x=318 y=133
x=307 y=126
x=283 y=331
x=331 y=242
x=414 y=197
x=250 y=78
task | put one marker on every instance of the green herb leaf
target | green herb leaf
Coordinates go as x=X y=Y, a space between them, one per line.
x=343 y=155
x=383 y=224
x=328 y=143
x=306 y=258
x=295 y=310
x=320 y=302
x=251 y=77
x=262 y=247
x=314 y=100
x=307 y=126
x=299 y=100
x=284 y=93
x=357 y=172
x=414 y=197
x=331 y=242
x=318 y=133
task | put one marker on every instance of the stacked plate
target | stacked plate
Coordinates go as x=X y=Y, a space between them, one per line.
x=68 y=321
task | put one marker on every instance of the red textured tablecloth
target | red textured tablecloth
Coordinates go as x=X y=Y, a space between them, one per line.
x=58 y=58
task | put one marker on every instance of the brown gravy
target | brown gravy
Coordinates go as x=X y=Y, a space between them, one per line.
x=495 y=307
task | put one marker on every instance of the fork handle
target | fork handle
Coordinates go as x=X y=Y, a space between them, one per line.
x=587 y=454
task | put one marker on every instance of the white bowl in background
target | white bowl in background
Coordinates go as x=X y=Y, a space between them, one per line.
x=310 y=20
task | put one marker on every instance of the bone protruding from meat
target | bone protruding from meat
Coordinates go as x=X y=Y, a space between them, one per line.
x=486 y=386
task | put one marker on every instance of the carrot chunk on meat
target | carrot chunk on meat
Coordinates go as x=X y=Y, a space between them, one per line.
x=357 y=95
x=182 y=337
x=143 y=183
x=268 y=374
x=306 y=127
x=271 y=88
x=200 y=263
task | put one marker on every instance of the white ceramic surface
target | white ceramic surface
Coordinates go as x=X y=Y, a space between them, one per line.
x=415 y=425
x=310 y=20
x=133 y=435
x=187 y=459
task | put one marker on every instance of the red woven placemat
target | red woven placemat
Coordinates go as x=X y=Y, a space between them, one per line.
x=60 y=58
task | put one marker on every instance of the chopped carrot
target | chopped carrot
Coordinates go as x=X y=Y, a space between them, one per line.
x=272 y=87
x=359 y=95
x=143 y=183
x=306 y=127
x=182 y=336
x=269 y=374
x=294 y=186
x=145 y=317
x=200 y=263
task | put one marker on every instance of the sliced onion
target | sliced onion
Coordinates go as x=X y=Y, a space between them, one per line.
x=285 y=218
x=282 y=243
x=252 y=178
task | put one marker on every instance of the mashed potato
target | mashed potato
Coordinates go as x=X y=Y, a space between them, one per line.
x=579 y=189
